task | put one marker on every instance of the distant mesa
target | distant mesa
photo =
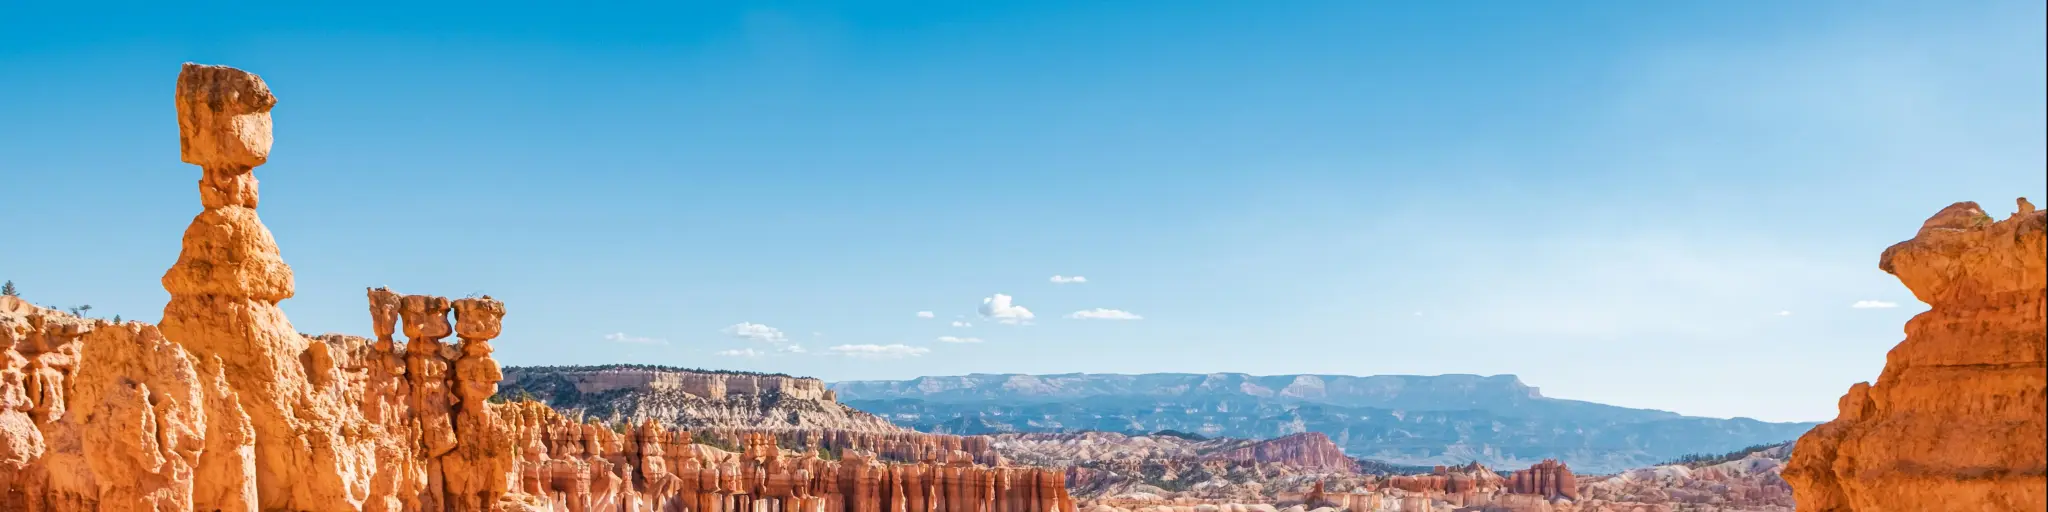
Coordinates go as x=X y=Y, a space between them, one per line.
x=1395 y=419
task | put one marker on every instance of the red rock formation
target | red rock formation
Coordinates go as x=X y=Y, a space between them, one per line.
x=224 y=407
x=1958 y=418
x=1550 y=479
x=1471 y=478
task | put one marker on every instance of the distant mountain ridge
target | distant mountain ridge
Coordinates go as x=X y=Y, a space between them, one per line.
x=1407 y=419
x=1500 y=394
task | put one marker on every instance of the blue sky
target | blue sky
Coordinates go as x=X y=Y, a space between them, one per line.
x=1651 y=204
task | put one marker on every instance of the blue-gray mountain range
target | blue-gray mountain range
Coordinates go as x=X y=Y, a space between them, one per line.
x=1402 y=419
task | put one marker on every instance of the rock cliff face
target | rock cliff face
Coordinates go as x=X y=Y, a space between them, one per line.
x=693 y=399
x=1308 y=450
x=224 y=407
x=1958 y=418
x=725 y=408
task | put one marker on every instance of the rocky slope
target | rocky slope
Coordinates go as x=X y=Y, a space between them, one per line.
x=725 y=407
x=1958 y=420
x=224 y=407
x=1409 y=420
x=1111 y=471
x=1170 y=472
x=1745 y=481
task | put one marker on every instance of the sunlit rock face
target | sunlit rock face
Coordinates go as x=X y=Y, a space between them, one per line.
x=223 y=406
x=1956 y=420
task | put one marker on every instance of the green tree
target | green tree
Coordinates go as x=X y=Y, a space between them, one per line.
x=9 y=290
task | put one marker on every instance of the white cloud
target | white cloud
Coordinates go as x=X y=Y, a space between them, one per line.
x=620 y=337
x=1000 y=309
x=1104 y=314
x=756 y=332
x=871 y=351
x=741 y=352
x=1873 y=304
x=793 y=349
x=1069 y=280
x=925 y=314
x=957 y=339
x=957 y=323
x=1784 y=313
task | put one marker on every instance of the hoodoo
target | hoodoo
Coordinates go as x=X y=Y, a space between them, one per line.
x=223 y=406
x=1958 y=418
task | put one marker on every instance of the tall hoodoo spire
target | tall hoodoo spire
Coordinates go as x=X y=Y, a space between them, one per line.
x=224 y=293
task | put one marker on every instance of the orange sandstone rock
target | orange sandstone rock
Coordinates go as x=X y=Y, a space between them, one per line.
x=1958 y=418
x=1549 y=478
x=224 y=407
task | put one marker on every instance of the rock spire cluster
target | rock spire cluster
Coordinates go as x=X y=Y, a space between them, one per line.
x=223 y=406
x=1550 y=479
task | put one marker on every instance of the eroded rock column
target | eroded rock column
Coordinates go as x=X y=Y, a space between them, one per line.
x=224 y=293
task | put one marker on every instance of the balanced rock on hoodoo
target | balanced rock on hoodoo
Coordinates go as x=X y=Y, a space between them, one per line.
x=224 y=407
x=1959 y=418
x=224 y=293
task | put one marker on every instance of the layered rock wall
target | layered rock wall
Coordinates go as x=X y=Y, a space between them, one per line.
x=1308 y=450
x=224 y=407
x=699 y=400
x=1958 y=418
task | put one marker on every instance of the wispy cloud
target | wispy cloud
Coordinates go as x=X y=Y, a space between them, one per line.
x=1002 y=309
x=620 y=337
x=1069 y=279
x=871 y=351
x=741 y=352
x=925 y=314
x=957 y=339
x=1784 y=313
x=756 y=332
x=1104 y=314
x=1873 y=304
x=957 y=323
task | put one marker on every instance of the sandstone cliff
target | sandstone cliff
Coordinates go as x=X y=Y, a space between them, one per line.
x=224 y=407
x=1958 y=418
x=1307 y=450
x=692 y=398
x=726 y=407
